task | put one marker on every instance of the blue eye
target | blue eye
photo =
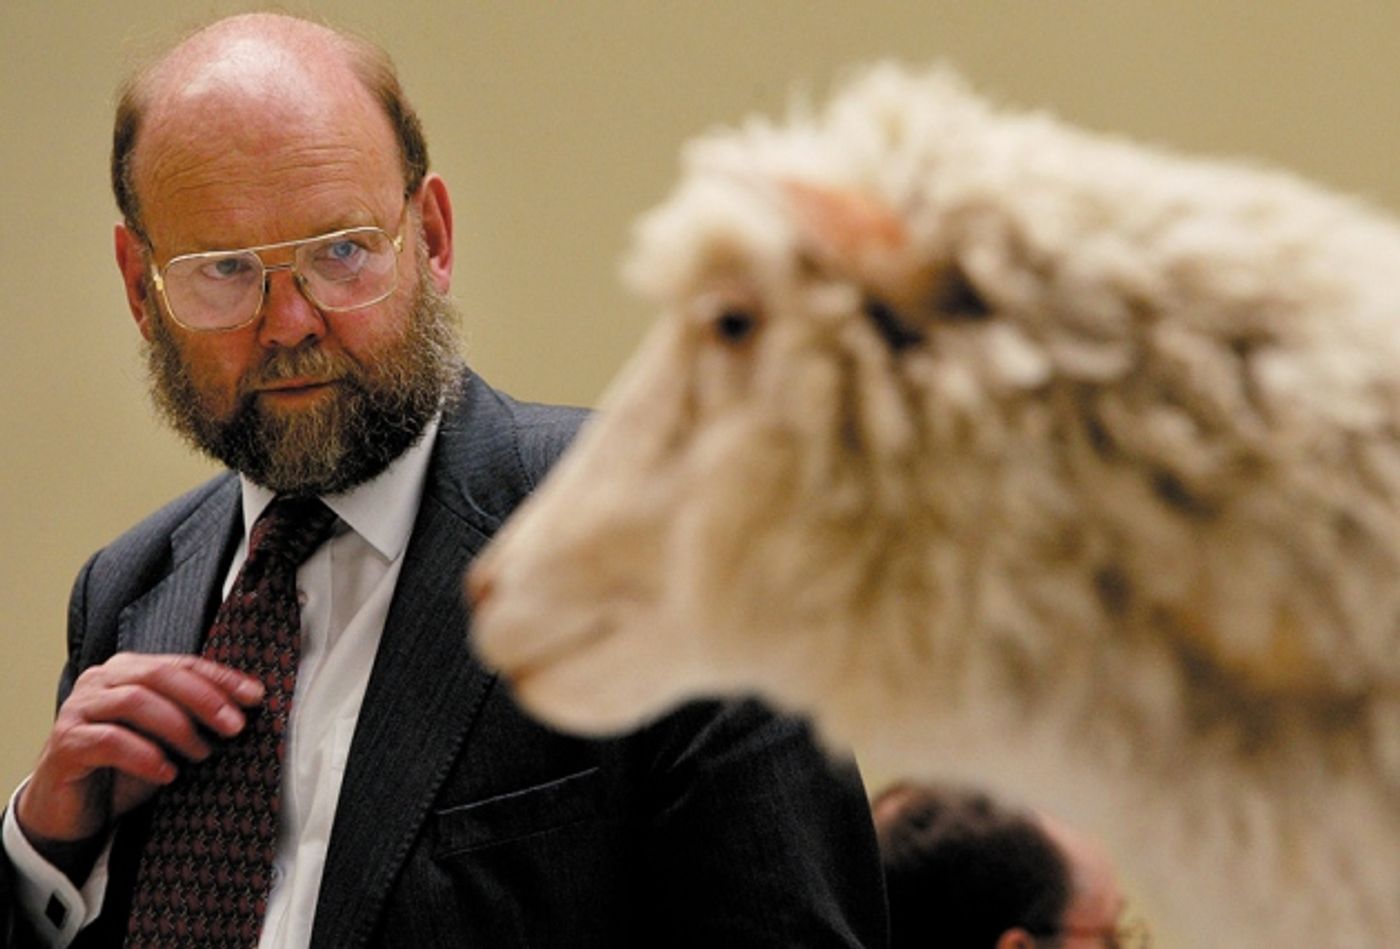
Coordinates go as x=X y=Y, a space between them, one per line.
x=343 y=250
x=226 y=268
x=340 y=259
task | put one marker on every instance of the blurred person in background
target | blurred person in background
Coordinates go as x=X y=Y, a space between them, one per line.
x=966 y=872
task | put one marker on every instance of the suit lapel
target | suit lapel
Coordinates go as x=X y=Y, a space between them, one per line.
x=172 y=616
x=424 y=693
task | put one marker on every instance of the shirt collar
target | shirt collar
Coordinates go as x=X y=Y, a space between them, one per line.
x=381 y=510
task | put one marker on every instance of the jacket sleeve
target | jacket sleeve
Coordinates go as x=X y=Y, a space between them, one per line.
x=77 y=631
x=8 y=909
x=760 y=839
x=16 y=927
x=15 y=930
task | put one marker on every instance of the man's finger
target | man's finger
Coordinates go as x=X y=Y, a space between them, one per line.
x=243 y=688
x=212 y=694
x=150 y=713
x=106 y=745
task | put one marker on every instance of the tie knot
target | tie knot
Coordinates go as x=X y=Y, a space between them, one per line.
x=290 y=529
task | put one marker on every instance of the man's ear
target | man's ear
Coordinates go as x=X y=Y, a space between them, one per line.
x=131 y=261
x=1016 y=938
x=435 y=212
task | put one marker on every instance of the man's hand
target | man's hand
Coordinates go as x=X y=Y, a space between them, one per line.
x=121 y=734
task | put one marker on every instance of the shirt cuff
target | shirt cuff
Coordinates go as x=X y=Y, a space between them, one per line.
x=55 y=908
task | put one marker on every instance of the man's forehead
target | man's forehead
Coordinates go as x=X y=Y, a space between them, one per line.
x=237 y=125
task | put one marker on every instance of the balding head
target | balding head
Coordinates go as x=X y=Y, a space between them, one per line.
x=271 y=62
x=1096 y=900
x=260 y=55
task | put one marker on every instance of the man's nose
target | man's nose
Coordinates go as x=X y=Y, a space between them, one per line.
x=288 y=317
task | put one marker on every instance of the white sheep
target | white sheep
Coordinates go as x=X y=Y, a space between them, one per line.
x=1016 y=455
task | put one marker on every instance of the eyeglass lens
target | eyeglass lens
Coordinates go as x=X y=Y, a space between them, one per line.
x=341 y=271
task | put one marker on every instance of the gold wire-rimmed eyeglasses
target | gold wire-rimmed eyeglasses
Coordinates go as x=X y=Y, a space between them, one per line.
x=220 y=290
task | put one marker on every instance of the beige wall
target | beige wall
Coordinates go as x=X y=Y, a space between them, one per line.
x=555 y=123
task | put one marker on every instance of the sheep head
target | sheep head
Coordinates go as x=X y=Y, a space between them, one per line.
x=764 y=425
x=962 y=398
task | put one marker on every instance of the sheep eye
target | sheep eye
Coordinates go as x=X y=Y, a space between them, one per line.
x=734 y=325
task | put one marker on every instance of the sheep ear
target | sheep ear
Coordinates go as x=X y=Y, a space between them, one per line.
x=856 y=237
x=844 y=229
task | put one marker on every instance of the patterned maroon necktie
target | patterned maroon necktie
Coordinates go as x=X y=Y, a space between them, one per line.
x=206 y=869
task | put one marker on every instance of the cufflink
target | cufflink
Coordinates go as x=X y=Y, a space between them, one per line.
x=56 y=912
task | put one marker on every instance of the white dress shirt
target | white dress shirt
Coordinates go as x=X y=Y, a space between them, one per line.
x=345 y=588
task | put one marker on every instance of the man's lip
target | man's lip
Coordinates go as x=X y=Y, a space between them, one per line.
x=294 y=385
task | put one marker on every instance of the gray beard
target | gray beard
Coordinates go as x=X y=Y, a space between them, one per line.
x=378 y=410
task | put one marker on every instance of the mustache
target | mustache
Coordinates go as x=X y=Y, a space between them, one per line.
x=310 y=361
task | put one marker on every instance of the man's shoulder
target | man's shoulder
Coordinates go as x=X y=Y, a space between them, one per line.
x=542 y=431
x=149 y=538
x=493 y=449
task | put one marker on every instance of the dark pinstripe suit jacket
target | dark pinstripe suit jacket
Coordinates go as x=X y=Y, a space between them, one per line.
x=463 y=823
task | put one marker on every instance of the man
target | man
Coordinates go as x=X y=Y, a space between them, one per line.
x=286 y=256
x=963 y=871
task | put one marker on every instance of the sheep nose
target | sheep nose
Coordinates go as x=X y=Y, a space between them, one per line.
x=479 y=585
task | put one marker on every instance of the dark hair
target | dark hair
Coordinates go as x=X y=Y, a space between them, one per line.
x=370 y=63
x=960 y=870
